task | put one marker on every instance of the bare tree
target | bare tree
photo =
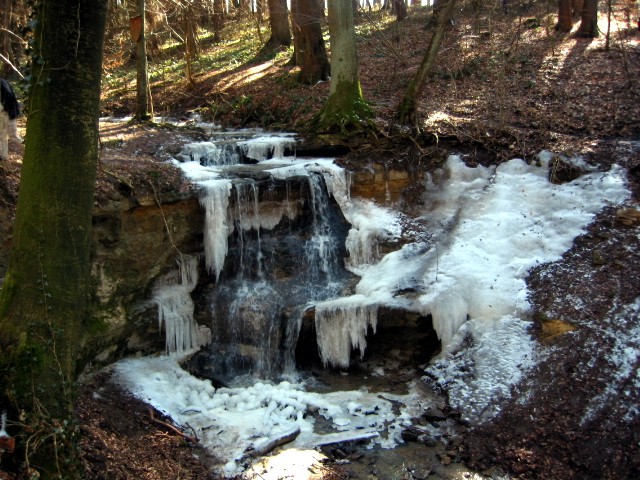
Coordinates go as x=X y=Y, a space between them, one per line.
x=407 y=108
x=143 y=110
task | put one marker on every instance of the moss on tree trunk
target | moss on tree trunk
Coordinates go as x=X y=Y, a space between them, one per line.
x=44 y=295
x=346 y=109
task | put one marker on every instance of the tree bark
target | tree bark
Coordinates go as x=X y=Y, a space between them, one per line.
x=45 y=292
x=589 y=23
x=346 y=108
x=576 y=8
x=310 y=50
x=407 y=109
x=5 y=41
x=565 y=19
x=190 y=43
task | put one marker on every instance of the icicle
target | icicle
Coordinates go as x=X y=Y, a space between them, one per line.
x=175 y=308
x=342 y=325
x=216 y=229
x=262 y=148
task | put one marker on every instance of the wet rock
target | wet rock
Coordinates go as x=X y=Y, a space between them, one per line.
x=433 y=414
x=628 y=216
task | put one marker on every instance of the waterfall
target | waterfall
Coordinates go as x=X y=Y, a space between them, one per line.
x=247 y=218
x=322 y=248
x=175 y=308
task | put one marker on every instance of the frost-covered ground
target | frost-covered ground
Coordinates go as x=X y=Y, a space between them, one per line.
x=488 y=228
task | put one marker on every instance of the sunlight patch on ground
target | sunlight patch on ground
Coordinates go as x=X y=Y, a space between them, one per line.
x=291 y=464
x=247 y=75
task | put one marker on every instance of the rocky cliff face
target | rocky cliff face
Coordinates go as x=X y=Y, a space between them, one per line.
x=134 y=244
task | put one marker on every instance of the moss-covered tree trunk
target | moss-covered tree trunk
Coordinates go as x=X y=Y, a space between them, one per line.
x=44 y=294
x=407 y=109
x=346 y=108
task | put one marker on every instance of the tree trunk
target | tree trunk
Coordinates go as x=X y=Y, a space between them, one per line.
x=45 y=292
x=346 y=108
x=218 y=20
x=589 y=23
x=190 y=43
x=407 y=109
x=5 y=28
x=279 y=23
x=142 y=80
x=576 y=8
x=400 y=9
x=565 y=20
x=310 y=49
x=432 y=20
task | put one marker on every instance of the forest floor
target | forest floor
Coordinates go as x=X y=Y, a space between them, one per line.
x=504 y=86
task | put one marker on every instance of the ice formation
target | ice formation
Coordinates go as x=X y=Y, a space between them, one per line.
x=342 y=325
x=233 y=421
x=175 y=308
x=216 y=224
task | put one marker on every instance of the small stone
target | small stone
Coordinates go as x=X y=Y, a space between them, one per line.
x=597 y=259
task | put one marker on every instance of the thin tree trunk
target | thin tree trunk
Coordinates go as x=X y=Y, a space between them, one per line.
x=218 y=19
x=143 y=111
x=407 y=108
x=5 y=40
x=190 y=44
x=44 y=296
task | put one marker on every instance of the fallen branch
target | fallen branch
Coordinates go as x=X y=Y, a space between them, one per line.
x=177 y=431
x=261 y=450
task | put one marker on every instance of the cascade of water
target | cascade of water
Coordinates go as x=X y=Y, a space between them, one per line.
x=363 y=241
x=321 y=249
x=175 y=308
x=341 y=325
x=247 y=218
x=216 y=230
